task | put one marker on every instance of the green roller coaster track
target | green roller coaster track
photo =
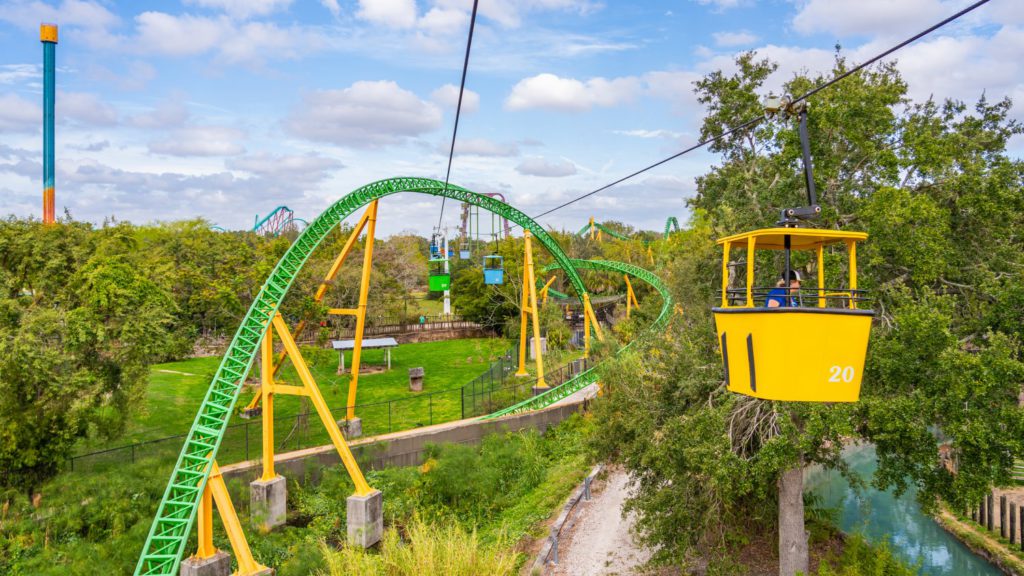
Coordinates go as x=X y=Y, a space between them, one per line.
x=586 y=230
x=169 y=533
x=671 y=225
x=588 y=377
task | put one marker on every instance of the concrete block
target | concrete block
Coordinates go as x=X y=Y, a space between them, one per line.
x=217 y=565
x=416 y=379
x=351 y=428
x=365 y=516
x=268 y=501
x=533 y=351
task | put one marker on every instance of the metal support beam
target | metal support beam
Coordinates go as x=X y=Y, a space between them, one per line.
x=318 y=296
x=216 y=491
x=364 y=294
x=528 y=306
x=266 y=396
x=630 y=296
x=362 y=488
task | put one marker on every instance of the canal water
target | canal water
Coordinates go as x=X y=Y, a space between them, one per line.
x=880 y=516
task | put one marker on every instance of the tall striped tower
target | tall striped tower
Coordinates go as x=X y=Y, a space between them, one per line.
x=48 y=36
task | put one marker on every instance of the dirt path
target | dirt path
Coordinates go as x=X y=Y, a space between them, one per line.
x=601 y=542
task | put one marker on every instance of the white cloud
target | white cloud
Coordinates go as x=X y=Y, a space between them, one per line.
x=332 y=6
x=388 y=13
x=200 y=141
x=170 y=113
x=366 y=114
x=245 y=42
x=509 y=13
x=18 y=73
x=448 y=96
x=551 y=92
x=479 y=147
x=722 y=4
x=83 y=108
x=91 y=146
x=641 y=133
x=739 y=38
x=444 y=21
x=299 y=170
x=184 y=35
x=18 y=114
x=538 y=166
x=868 y=17
x=91 y=20
x=243 y=8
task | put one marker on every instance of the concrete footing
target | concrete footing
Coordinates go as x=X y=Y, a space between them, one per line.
x=351 y=428
x=365 y=519
x=217 y=565
x=540 y=389
x=268 y=501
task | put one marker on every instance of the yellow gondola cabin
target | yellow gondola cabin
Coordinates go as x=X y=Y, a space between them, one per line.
x=811 y=352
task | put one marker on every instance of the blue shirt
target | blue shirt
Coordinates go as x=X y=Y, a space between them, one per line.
x=779 y=296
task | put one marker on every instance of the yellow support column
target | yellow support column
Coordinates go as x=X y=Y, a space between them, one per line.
x=205 y=521
x=267 y=397
x=533 y=310
x=630 y=296
x=318 y=297
x=524 y=307
x=591 y=227
x=544 y=291
x=365 y=508
x=313 y=391
x=364 y=292
x=207 y=558
x=528 y=306
x=589 y=320
x=247 y=565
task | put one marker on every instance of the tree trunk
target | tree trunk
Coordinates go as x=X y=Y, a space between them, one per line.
x=792 y=537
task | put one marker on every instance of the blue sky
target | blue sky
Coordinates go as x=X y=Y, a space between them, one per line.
x=226 y=109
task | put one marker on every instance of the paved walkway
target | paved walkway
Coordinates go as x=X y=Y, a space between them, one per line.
x=601 y=542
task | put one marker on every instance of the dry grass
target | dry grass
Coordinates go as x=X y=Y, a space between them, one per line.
x=428 y=549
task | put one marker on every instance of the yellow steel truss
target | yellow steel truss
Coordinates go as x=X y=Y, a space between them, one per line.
x=309 y=388
x=630 y=296
x=217 y=491
x=318 y=296
x=528 y=309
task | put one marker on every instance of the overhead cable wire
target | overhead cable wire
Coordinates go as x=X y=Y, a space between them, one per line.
x=458 y=108
x=754 y=121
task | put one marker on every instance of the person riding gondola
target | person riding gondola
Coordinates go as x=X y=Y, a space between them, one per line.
x=777 y=296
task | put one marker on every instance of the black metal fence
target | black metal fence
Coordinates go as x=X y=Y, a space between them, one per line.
x=493 y=390
x=341 y=328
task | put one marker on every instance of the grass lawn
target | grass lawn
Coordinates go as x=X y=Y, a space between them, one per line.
x=421 y=305
x=176 y=389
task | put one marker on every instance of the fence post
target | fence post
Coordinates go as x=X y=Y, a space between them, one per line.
x=586 y=488
x=989 y=504
x=1002 y=516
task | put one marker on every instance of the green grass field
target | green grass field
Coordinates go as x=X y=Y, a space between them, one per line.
x=177 y=388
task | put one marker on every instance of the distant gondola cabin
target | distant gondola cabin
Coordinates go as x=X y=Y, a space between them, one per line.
x=494 y=270
x=439 y=279
x=810 y=349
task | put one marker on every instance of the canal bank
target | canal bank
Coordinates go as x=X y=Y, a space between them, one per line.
x=880 y=516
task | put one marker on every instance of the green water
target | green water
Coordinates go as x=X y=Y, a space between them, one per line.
x=880 y=516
